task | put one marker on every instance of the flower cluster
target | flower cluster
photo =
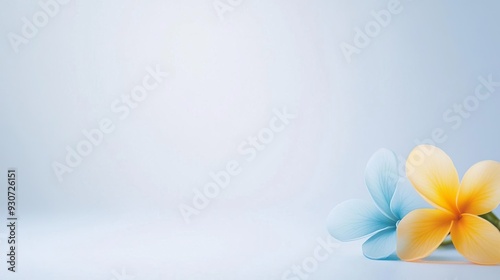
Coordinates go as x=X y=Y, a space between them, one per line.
x=411 y=223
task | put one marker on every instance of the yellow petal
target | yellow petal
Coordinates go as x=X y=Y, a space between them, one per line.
x=434 y=176
x=476 y=239
x=421 y=232
x=480 y=189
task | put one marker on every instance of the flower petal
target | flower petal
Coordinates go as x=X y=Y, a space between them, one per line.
x=382 y=245
x=354 y=219
x=476 y=239
x=421 y=232
x=434 y=176
x=405 y=200
x=480 y=189
x=381 y=177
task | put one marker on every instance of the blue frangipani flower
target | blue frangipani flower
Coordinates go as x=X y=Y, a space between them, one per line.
x=355 y=219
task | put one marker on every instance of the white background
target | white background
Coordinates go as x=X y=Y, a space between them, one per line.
x=119 y=209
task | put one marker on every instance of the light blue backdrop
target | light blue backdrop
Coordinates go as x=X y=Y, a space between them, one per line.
x=231 y=64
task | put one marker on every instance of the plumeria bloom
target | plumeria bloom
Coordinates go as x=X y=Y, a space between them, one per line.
x=355 y=219
x=458 y=204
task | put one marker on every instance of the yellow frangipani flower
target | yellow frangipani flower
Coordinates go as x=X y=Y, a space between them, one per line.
x=458 y=204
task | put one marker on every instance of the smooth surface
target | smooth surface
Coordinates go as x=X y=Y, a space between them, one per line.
x=118 y=210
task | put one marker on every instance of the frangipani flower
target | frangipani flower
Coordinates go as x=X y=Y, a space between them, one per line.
x=355 y=219
x=459 y=205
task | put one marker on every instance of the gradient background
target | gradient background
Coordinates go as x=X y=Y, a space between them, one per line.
x=118 y=211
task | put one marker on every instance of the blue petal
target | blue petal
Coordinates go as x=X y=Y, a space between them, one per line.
x=381 y=178
x=354 y=219
x=381 y=246
x=405 y=200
